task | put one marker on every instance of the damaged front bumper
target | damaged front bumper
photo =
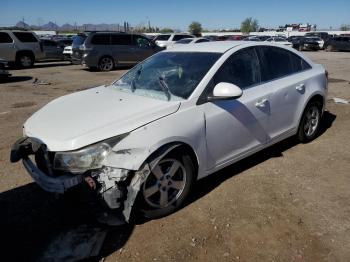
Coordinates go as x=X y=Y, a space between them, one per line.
x=58 y=184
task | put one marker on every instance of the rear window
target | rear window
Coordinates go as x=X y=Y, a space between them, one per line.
x=5 y=38
x=101 y=39
x=121 y=39
x=162 y=37
x=78 y=40
x=25 y=37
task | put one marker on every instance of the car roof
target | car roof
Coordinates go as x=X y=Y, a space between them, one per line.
x=213 y=47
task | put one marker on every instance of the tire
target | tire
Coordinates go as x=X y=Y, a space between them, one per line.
x=25 y=60
x=329 y=48
x=163 y=193
x=106 y=64
x=310 y=122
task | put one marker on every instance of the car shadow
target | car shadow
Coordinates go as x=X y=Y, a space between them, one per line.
x=207 y=184
x=14 y=79
x=42 y=64
x=36 y=226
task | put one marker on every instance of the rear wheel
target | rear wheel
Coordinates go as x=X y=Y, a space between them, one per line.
x=106 y=64
x=25 y=60
x=167 y=186
x=310 y=122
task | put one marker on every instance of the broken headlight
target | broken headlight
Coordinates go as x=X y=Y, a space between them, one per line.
x=90 y=157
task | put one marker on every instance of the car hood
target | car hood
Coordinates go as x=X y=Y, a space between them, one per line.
x=83 y=118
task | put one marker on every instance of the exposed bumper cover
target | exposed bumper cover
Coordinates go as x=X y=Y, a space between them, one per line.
x=52 y=184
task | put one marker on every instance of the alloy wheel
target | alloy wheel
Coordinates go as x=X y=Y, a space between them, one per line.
x=106 y=64
x=311 y=121
x=26 y=61
x=165 y=184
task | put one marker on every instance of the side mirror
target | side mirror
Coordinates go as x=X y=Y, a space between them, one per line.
x=224 y=91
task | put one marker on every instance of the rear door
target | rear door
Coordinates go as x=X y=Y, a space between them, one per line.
x=285 y=73
x=7 y=47
x=28 y=41
x=121 y=47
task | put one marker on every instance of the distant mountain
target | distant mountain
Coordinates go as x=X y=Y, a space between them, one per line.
x=51 y=26
x=22 y=24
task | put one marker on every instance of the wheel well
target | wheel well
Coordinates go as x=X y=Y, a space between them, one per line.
x=183 y=146
x=25 y=52
x=317 y=98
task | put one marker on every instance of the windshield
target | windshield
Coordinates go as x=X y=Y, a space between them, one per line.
x=167 y=75
x=78 y=40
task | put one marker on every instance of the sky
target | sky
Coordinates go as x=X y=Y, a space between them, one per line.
x=177 y=14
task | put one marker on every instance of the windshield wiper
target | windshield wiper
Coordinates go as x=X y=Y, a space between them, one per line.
x=138 y=72
x=165 y=87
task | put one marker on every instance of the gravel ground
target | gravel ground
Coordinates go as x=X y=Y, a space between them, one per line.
x=287 y=203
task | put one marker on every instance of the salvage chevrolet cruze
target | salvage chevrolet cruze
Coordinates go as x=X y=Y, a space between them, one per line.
x=182 y=114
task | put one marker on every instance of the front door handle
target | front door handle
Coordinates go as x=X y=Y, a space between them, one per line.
x=261 y=103
x=300 y=87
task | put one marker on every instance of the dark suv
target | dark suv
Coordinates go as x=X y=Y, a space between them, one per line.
x=106 y=50
x=338 y=43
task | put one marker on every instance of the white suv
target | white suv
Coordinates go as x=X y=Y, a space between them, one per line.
x=181 y=115
x=164 y=40
x=21 y=47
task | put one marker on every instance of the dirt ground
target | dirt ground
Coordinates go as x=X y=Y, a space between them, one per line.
x=287 y=203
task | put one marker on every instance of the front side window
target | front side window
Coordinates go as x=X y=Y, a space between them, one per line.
x=5 y=38
x=25 y=37
x=141 y=41
x=241 y=69
x=101 y=39
x=167 y=75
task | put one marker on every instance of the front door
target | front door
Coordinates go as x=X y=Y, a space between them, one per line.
x=238 y=126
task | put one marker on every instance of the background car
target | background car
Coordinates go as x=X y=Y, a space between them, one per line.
x=3 y=71
x=306 y=43
x=163 y=40
x=106 y=50
x=279 y=40
x=323 y=35
x=338 y=43
x=195 y=40
x=53 y=50
x=20 y=47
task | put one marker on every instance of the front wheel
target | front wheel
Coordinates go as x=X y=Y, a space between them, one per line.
x=310 y=122
x=167 y=186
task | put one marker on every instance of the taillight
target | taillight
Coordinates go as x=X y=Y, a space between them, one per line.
x=326 y=73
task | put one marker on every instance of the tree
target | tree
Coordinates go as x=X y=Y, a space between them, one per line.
x=344 y=27
x=195 y=28
x=166 y=30
x=249 y=25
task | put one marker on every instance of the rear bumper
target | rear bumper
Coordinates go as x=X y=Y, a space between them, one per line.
x=51 y=184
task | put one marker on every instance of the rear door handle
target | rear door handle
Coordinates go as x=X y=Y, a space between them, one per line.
x=300 y=87
x=261 y=103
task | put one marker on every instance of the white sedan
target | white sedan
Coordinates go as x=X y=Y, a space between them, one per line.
x=141 y=142
x=279 y=40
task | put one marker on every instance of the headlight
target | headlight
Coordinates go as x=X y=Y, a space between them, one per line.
x=90 y=157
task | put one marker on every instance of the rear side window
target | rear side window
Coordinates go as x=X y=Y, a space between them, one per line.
x=101 y=39
x=202 y=40
x=275 y=63
x=298 y=63
x=241 y=69
x=5 y=38
x=120 y=39
x=25 y=37
x=49 y=43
